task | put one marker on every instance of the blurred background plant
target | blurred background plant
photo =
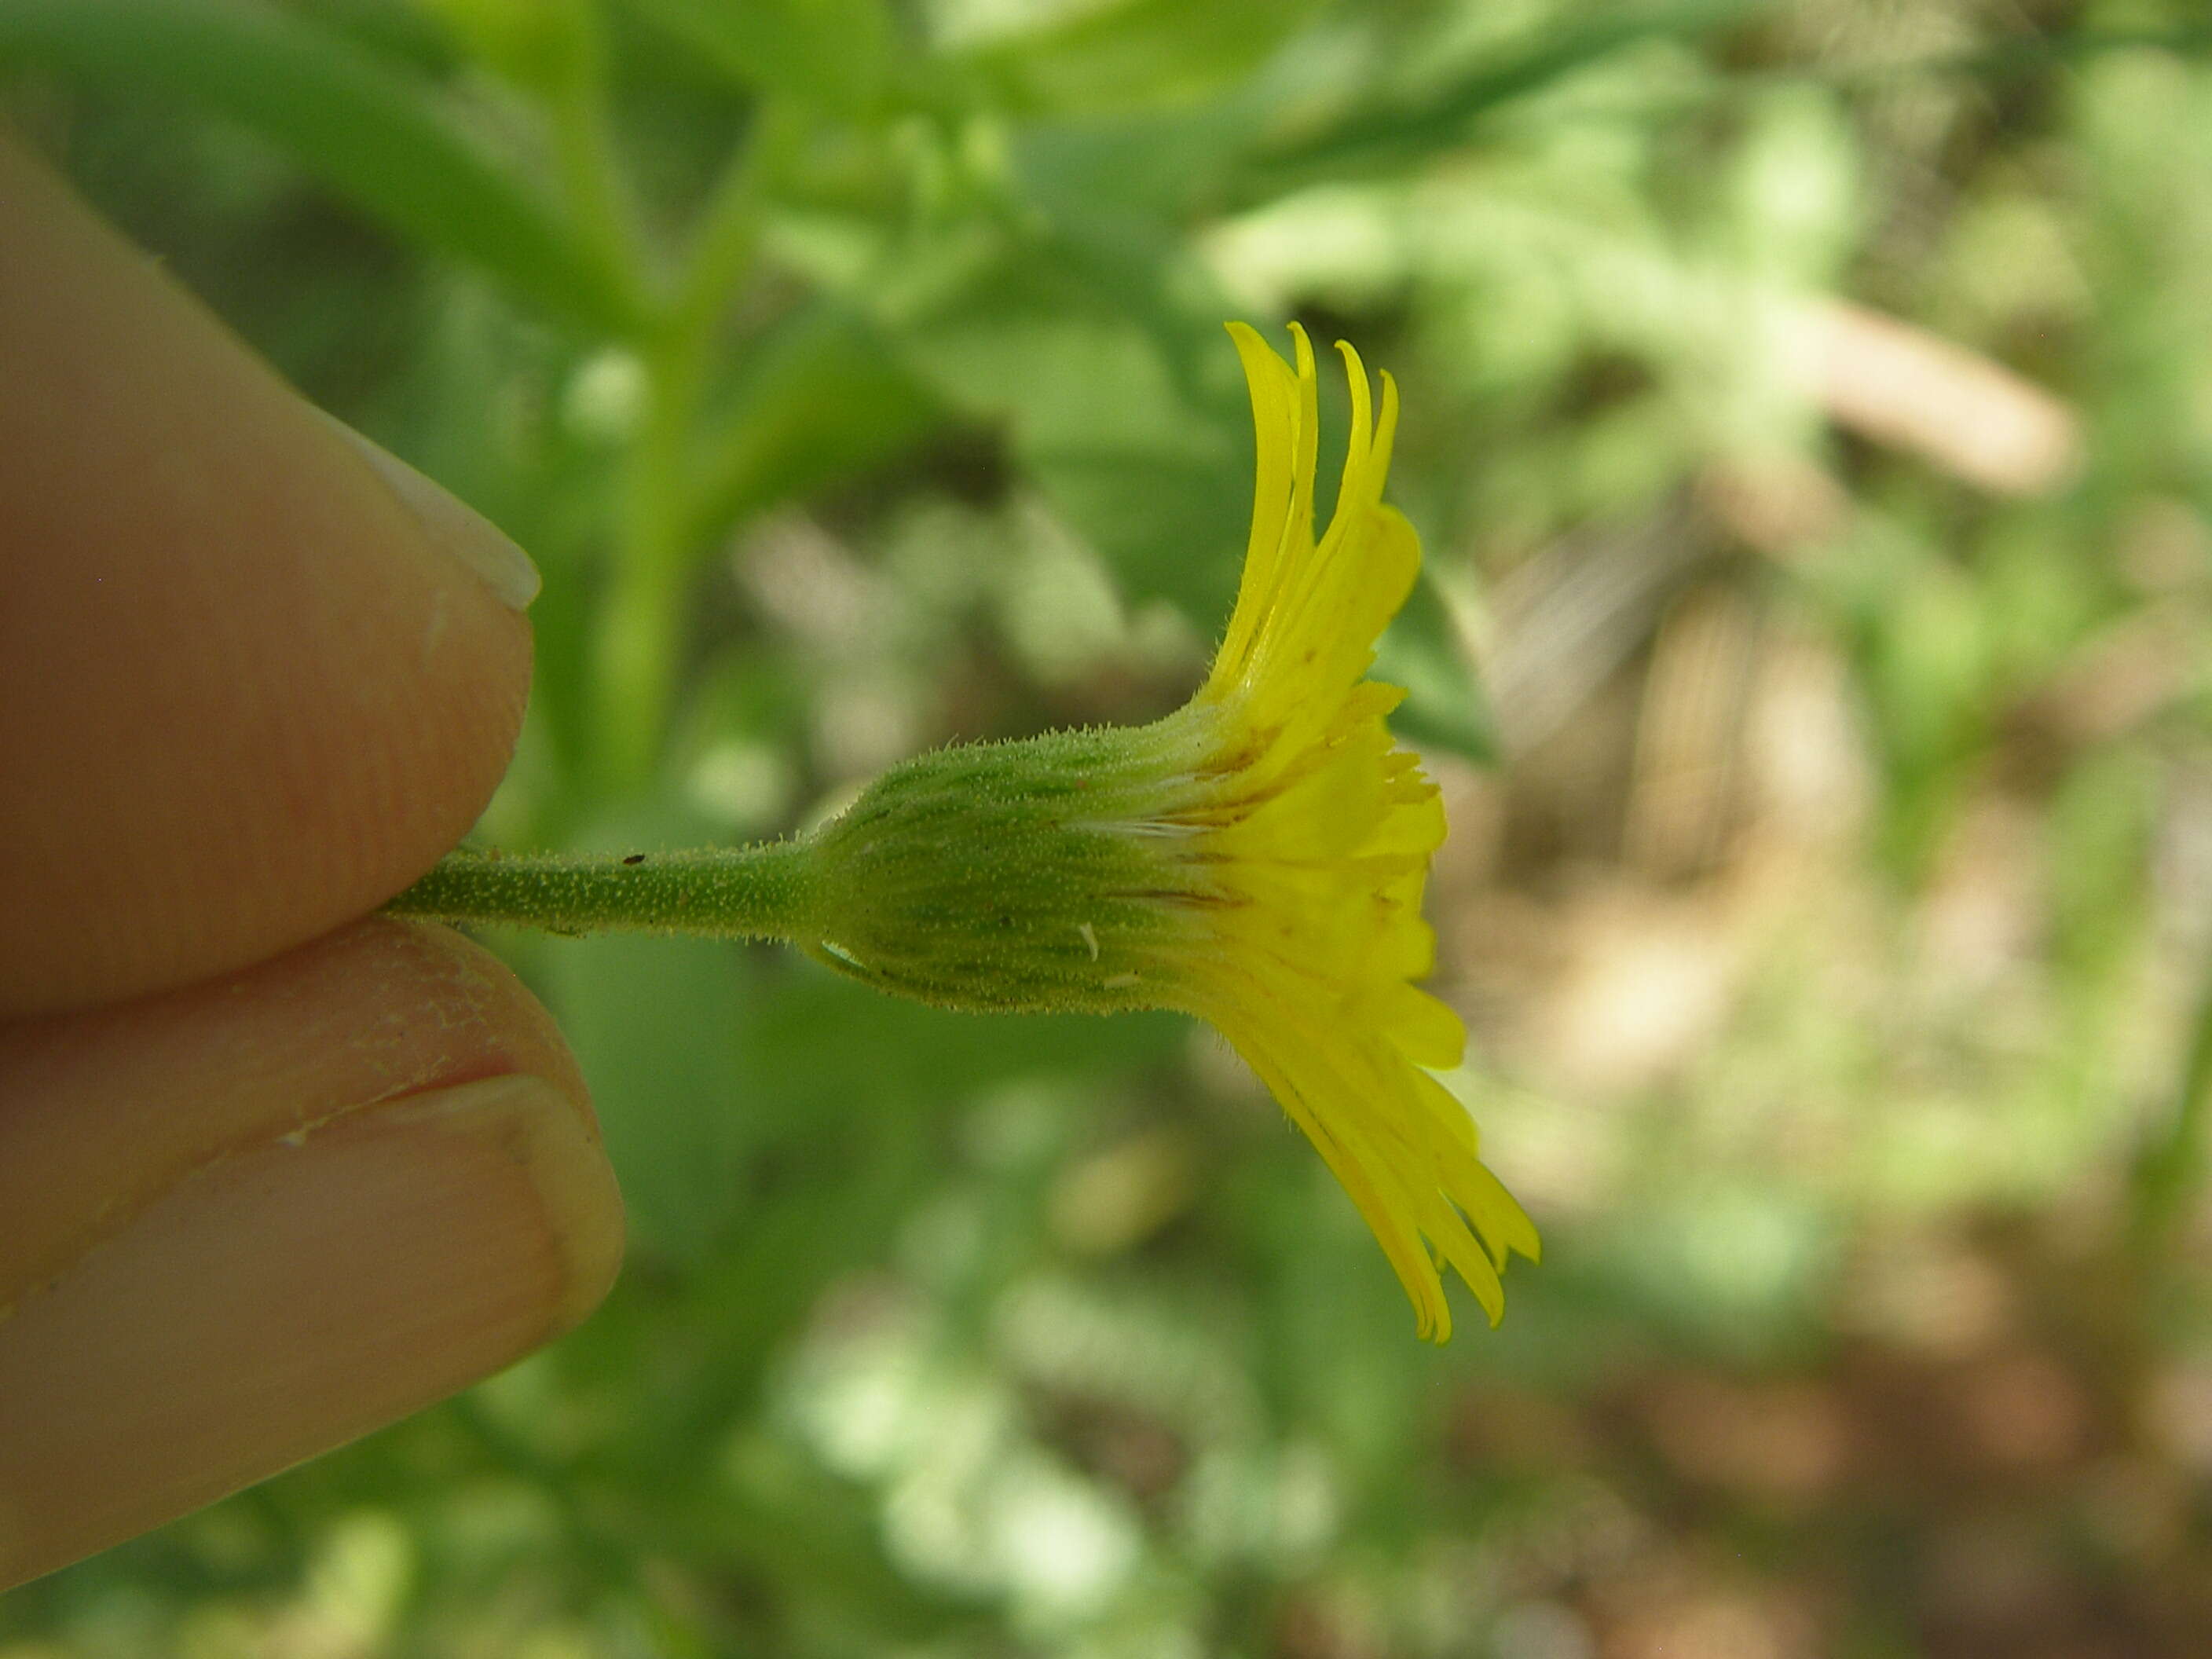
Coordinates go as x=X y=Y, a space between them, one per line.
x=1809 y=419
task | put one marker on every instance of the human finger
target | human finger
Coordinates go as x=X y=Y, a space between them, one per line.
x=254 y=675
x=253 y=1218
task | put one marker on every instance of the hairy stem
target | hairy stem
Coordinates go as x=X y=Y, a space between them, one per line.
x=765 y=892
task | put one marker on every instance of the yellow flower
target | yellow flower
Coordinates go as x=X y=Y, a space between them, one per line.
x=1256 y=859
x=1319 y=831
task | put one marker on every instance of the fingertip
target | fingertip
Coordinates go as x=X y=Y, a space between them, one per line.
x=252 y=686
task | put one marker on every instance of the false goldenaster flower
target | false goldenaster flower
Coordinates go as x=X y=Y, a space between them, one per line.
x=1256 y=858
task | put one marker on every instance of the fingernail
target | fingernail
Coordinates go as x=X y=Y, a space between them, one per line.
x=461 y=531
x=290 y=1296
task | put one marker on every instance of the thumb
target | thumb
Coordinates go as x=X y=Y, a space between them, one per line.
x=253 y=1220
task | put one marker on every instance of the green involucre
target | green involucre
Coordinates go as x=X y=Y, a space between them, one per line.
x=1033 y=876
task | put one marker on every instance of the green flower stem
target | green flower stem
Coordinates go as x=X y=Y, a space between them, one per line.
x=765 y=891
x=635 y=642
x=726 y=231
x=639 y=638
x=584 y=152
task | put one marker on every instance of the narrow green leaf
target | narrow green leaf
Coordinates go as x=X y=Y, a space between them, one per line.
x=374 y=136
x=1398 y=132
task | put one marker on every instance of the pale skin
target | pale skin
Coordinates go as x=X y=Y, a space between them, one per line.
x=274 y=1171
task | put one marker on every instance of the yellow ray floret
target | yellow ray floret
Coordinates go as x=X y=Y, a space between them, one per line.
x=1326 y=848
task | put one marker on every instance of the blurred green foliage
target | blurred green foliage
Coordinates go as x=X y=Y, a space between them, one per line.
x=1809 y=419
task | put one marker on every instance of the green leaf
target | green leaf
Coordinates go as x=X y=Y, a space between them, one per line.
x=1137 y=53
x=1158 y=169
x=821 y=398
x=1394 y=133
x=374 y=136
x=1172 y=523
x=1119 y=396
x=835 y=54
x=546 y=46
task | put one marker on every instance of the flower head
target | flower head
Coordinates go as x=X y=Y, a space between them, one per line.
x=1257 y=860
